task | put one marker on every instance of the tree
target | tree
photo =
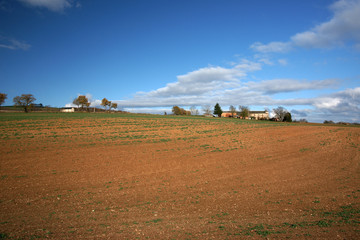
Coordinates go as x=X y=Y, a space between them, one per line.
x=206 y=109
x=287 y=117
x=25 y=101
x=176 y=110
x=3 y=96
x=280 y=113
x=232 y=109
x=82 y=101
x=183 y=111
x=244 y=111
x=193 y=110
x=114 y=106
x=180 y=111
x=105 y=103
x=76 y=102
x=217 y=110
x=87 y=106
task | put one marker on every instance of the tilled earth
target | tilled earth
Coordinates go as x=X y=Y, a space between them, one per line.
x=144 y=177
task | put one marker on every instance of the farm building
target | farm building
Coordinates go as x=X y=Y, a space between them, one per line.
x=259 y=115
x=67 y=109
x=252 y=114
x=229 y=114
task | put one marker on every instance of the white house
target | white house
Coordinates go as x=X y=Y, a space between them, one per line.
x=67 y=109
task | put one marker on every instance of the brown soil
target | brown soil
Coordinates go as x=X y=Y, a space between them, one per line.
x=178 y=178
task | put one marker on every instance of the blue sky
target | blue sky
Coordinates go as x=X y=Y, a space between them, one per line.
x=148 y=56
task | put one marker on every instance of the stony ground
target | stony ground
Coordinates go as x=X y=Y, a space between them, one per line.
x=109 y=176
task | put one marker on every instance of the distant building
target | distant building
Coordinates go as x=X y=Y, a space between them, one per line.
x=67 y=109
x=229 y=114
x=258 y=115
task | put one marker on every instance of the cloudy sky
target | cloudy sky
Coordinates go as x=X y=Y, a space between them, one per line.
x=148 y=56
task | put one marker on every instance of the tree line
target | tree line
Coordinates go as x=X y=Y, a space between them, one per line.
x=83 y=102
x=281 y=114
x=26 y=101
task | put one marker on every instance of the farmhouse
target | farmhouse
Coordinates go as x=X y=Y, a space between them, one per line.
x=67 y=109
x=229 y=114
x=252 y=114
x=259 y=115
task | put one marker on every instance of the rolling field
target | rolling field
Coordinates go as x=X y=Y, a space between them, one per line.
x=113 y=176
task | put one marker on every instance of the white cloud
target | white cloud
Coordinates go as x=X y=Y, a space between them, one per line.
x=198 y=87
x=248 y=66
x=208 y=89
x=327 y=102
x=205 y=81
x=13 y=44
x=200 y=81
x=345 y=25
x=297 y=114
x=289 y=85
x=343 y=101
x=52 y=5
x=342 y=28
x=280 y=47
x=266 y=61
x=282 y=62
x=339 y=106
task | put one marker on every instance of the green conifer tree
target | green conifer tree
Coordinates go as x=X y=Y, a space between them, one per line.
x=217 y=110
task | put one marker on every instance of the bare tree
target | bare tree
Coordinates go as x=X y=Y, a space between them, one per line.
x=193 y=110
x=25 y=101
x=206 y=109
x=280 y=113
x=3 y=96
x=232 y=109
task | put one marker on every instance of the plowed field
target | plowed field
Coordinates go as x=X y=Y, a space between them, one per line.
x=112 y=176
